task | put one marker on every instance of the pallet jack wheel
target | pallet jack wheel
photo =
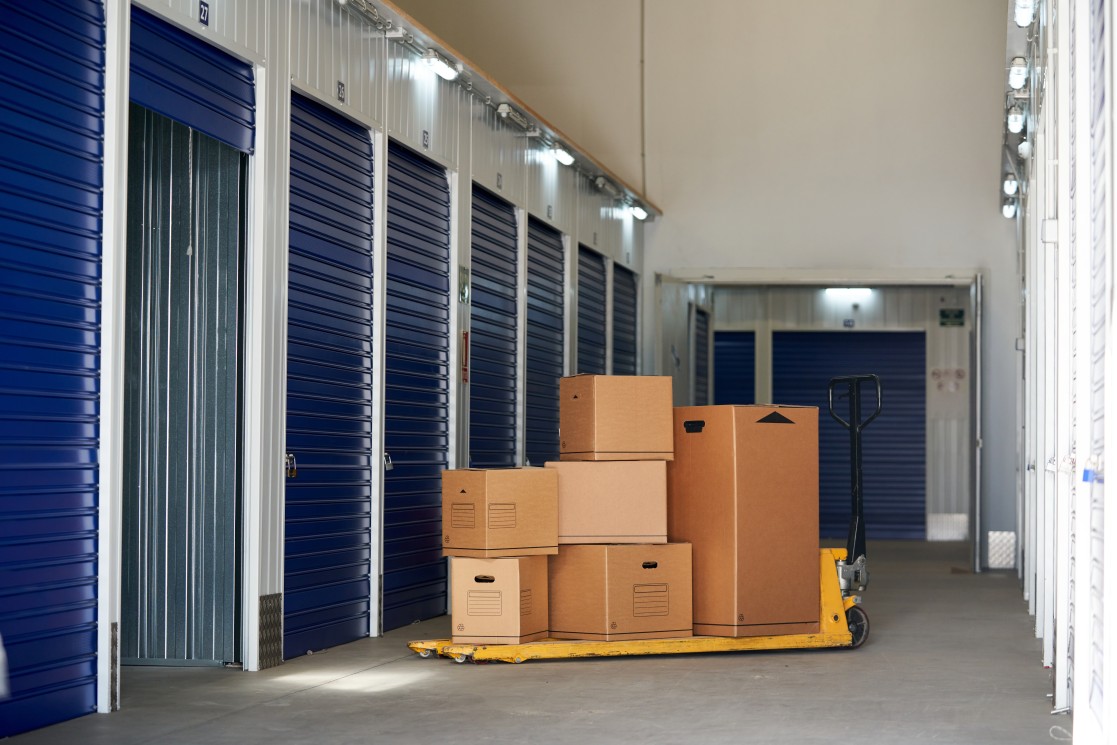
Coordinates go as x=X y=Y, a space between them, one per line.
x=858 y=621
x=425 y=653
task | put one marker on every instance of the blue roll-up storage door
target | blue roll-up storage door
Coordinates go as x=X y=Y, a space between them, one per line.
x=546 y=282
x=493 y=332
x=894 y=456
x=734 y=367
x=51 y=152
x=624 y=321
x=417 y=387
x=591 y=312
x=329 y=382
x=701 y=357
x=184 y=78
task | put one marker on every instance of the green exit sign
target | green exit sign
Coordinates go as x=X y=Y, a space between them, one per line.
x=952 y=316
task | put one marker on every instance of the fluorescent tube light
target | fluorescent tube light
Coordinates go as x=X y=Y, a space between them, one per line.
x=562 y=156
x=851 y=294
x=440 y=65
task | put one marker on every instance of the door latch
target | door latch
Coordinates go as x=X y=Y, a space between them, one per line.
x=290 y=465
x=388 y=462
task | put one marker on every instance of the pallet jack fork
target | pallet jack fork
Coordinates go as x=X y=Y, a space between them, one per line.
x=842 y=621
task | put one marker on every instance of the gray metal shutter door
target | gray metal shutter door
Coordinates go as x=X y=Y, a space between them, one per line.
x=701 y=357
x=51 y=147
x=493 y=332
x=329 y=382
x=624 y=321
x=417 y=387
x=894 y=457
x=546 y=271
x=591 y=312
x=734 y=367
x=180 y=594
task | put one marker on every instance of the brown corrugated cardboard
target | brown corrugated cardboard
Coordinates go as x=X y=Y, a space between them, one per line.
x=499 y=512
x=743 y=489
x=498 y=601
x=617 y=592
x=615 y=417
x=612 y=501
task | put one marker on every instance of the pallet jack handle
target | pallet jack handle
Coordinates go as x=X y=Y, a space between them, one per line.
x=855 y=545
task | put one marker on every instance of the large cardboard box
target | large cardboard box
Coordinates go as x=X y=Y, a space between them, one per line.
x=743 y=489
x=498 y=601
x=615 y=417
x=499 y=512
x=617 y=592
x=612 y=501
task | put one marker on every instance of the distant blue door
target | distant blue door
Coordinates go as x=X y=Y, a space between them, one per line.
x=894 y=457
x=546 y=283
x=624 y=321
x=494 y=332
x=51 y=153
x=734 y=367
x=591 y=312
x=417 y=387
x=329 y=382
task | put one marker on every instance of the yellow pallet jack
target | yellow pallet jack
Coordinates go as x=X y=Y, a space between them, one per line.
x=842 y=621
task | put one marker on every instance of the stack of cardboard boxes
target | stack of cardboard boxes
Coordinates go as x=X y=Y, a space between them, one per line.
x=579 y=549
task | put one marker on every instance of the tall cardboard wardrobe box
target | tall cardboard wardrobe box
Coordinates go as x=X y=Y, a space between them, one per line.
x=743 y=491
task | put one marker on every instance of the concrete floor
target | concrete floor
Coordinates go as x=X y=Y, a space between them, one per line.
x=951 y=658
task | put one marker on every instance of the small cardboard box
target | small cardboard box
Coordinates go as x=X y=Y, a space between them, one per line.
x=499 y=512
x=615 y=417
x=743 y=489
x=498 y=601
x=612 y=501
x=620 y=592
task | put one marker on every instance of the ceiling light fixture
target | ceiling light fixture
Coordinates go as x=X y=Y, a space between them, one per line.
x=562 y=155
x=605 y=185
x=1015 y=119
x=440 y=65
x=1024 y=12
x=1024 y=149
x=1017 y=73
x=1011 y=185
x=1008 y=209
x=507 y=112
x=639 y=212
x=851 y=294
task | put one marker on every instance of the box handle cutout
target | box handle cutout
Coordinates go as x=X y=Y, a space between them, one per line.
x=694 y=425
x=484 y=578
x=651 y=564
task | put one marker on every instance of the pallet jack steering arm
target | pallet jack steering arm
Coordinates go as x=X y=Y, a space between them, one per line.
x=855 y=544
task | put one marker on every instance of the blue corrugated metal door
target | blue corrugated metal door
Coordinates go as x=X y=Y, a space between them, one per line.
x=591 y=312
x=493 y=332
x=184 y=78
x=417 y=387
x=51 y=149
x=734 y=367
x=624 y=321
x=329 y=382
x=546 y=282
x=894 y=454
x=701 y=357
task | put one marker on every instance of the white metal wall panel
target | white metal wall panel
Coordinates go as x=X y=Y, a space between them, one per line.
x=1101 y=215
x=423 y=109
x=599 y=224
x=241 y=27
x=552 y=191
x=340 y=57
x=500 y=154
